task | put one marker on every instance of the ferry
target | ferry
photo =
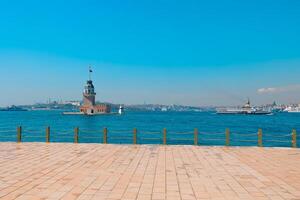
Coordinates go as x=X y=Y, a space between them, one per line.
x=247 y=109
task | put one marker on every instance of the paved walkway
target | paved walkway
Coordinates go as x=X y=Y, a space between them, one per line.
x=96 y=171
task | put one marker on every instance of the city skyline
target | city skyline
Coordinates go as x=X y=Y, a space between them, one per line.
x=188 y=53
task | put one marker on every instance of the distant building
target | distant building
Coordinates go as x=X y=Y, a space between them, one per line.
x=73 y=103
x=89 y=106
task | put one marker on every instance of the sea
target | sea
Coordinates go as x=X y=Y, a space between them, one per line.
x=180 y=127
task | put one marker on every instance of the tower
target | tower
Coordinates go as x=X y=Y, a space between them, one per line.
x=89 y=94
x=89 y=106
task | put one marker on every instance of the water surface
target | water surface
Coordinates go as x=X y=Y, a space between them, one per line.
x=180 y=126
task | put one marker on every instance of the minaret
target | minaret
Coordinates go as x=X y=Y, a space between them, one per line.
x=89 y=94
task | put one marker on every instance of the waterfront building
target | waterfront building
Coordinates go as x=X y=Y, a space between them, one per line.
x=73 y=103
x=89 y=106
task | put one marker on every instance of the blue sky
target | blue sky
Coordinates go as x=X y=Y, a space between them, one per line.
x=171 y=52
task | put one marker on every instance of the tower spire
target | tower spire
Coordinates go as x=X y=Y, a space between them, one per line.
x=90 y=73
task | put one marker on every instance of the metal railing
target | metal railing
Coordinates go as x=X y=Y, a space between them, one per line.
x=160 y=137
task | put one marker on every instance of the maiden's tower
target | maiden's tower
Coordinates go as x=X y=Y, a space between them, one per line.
x=89 y=106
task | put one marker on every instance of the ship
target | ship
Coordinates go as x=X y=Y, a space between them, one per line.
x=247 y=109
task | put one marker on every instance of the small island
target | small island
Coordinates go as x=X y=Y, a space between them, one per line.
x=89 y=106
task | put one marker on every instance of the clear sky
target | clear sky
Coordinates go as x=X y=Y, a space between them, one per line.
x=170 y=52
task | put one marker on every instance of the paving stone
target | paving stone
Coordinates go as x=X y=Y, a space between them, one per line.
x=133 y=172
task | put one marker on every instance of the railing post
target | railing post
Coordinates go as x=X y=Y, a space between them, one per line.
x=19 y=134
x=134 y=136
x=294 y=138
x=259 y=138
x=196 y=136
x=105 y=136
x=48 y=134
x=76 y=132
x=165 y=136
x=227 y=137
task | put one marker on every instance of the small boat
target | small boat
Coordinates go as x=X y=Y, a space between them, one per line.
x=245 y=110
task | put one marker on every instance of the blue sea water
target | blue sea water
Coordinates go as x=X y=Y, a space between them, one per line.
x=180 y=126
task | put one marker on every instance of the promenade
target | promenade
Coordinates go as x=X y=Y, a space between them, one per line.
x=105 y=171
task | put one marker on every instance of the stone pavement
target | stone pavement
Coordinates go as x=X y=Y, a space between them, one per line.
x=96 y=171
